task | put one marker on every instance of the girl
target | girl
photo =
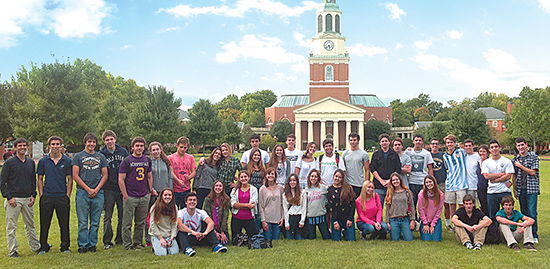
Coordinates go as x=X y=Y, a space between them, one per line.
x=316 y=196
x=256 y=170
x=229 y=166
x=271 y=205
x=369 y=213
x=206 y=175
x=293 y=206
x=400 y=209
x=244 y=198
x=280 y=162
x=341 y=205
x=430 y=206
x=306 y=164
x=481 y=180
x=164 y=227
x=217 y=205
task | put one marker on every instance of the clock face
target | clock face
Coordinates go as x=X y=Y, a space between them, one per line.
x=329 y=45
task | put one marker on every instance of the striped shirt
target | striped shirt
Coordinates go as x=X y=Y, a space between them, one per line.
x=456 y=170
x=526 y=182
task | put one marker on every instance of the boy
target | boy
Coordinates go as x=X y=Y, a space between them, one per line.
x=512 y=229
x=255 y=144
x=470 y=224
x=185 y=169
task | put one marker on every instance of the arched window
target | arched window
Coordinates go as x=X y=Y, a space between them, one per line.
x=329 y=73
x=328 y=23
x=337 y=23
x=319 y=24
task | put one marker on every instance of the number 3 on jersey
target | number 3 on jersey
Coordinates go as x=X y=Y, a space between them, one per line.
x=140 y=173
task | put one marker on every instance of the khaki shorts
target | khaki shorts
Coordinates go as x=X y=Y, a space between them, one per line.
x=441 y=186
x=455 y=197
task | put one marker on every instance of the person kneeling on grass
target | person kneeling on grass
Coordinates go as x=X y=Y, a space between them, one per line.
x=470 y=224
x=512 y=229
x=164 y=226
x=191 y=229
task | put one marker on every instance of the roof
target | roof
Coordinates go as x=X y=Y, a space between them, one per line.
x=292 y=100
x=492 y=113
x=183 y=115
x=420 y=124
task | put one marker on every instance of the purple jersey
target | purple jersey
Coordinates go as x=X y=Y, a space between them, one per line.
x=136 y=178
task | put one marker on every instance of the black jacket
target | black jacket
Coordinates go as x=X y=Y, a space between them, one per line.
x=384 y=167
x=114 y=160
x=18 y=179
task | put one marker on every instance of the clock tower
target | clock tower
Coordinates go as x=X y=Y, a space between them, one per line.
x=328 y=59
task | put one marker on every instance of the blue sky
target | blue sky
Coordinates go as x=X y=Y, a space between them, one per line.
x=212 y=48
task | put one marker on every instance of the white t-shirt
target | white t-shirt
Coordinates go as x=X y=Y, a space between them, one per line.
x=193 y=222
x=420 y=161
x=305 y=167
x=471 y=168
x=328 y=167
x=246 y=156
x=491 y=166
x=293 y=157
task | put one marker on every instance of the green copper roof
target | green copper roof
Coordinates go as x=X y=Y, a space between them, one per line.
x=331 y=7
x=368 y=100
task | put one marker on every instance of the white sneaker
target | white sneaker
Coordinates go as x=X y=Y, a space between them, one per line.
x=536 y=240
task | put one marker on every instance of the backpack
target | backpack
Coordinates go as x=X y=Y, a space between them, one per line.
x=241 y=240
x=493 y=235
x=258 y=241
x=337 y=159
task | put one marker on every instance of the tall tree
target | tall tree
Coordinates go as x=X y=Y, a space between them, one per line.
x=6 y=131
x=231 y=133
x=436 y=129
x=466 y=123
x=281 y=129
x=530 y=116
x=401 y=116
x=204 y=125
x=253 y=107
x=231 y=101
x=374 y=128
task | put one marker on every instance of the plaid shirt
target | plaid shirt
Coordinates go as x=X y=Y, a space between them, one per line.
x=531 y=161
x=226 y=172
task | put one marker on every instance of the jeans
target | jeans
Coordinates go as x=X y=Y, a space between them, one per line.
x=399 y=225
x=295 y=231
x=528 y=207
x=160 y=251
x=349 y=233
x=482 y=196
x=436 y=236
x=258 y=221
x=493 y=202
x=321 y=222
x=135 y=210
x=370 y=229
x=273 y=233
x=112 y=198
x=61 y=205
x=382 y=195
x=201 y=194
x=88 y=210
x=180 y=199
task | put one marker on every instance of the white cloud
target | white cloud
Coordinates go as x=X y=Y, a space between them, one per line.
x=489 y=32
x=279 y=77
x=362 y=50
x=302 y=41
x=261 y=48
x=169 y=29
x=545 y=5
x=399 y=46
x=423 y=45
x=65 y=18
x=238 y=9
x=500 y=60
x=125 y=47
x=396 y=12
x=509 y=81
x=454 y=34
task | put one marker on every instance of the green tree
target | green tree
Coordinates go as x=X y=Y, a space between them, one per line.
x=267 y=141
x=231 y=101
x=229 y=113
x=422 y=114
x=401 y=116
x=5 y=107
x=437 y=130
x=281 y=129
x=204 y=125
x=466 y=123
x=530 y=116
x=253 y=107
x=157 y=119
x=231 y=133
x=490 y=99
x=374 y=128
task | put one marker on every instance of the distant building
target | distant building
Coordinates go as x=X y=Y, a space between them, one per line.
x=495 y=118
x=408 y=132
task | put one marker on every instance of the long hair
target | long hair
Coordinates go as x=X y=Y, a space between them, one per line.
x=239 y=184
x=391 y=188
x=210 y=160
x=347 y=195
x=274 y=161
x=269 y=170
x=162 y=154
x=364 y=196
x=254 y=166
x=166 y=209
x=307 y=149
x=309 y=184
x=435 y=190
x=229 y=150
x=293 y=200
x=224 y=199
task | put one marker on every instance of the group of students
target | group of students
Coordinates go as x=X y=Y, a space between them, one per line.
x=291 y=192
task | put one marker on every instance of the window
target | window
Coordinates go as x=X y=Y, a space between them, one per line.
x=337 y=23
x=329 y=123
x=329 y=73
x=328 y=23
x=319 y=24
x=495 y=123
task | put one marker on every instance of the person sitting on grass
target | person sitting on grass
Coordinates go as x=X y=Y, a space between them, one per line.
x=163 y=228
x=513 y=230
x=400 y=209
x=369 y=213
x=430 y=206
x=192 y=231
x=217 y=205
x=470 y=224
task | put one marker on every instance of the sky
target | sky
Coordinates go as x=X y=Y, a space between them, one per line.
x=212 y=48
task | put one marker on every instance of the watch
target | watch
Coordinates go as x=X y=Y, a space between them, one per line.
x=329 y=45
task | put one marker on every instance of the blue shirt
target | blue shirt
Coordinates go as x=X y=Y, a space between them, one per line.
x=55 y=183
x=456 y=170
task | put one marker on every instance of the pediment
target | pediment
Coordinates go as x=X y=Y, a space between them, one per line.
x=329 y=105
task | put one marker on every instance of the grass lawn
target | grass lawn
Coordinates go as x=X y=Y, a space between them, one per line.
x=307 y=253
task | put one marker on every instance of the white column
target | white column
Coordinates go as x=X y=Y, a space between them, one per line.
x=298 y=133
x=336 y=134
x=348 y=131
x=362 y=134
x=323 y=132
x=309 y=131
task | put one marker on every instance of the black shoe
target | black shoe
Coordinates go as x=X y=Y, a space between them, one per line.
x=14 y=255
x=82 y=250
x=92 y=249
